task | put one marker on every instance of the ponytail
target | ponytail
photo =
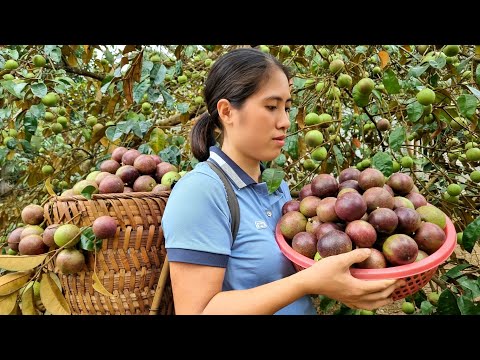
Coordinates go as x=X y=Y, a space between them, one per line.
x=202 y=137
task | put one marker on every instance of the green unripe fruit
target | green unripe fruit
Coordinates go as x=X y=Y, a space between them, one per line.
x=11 y=252
x=57 y=128
x=319 y=154
x=312 y=119
x=460 y=238
x=63 y=184
x=377 y=70
x=475 y=176
x=51 y=99
x=49 y=116
x=29 y=75
x=182 y=79
x=470 y=144
x=336 y=66
x=408 y=307
x=454 y=189
x=264 y=48
x=6 y=140
x=422 y=49
x=47 y=169
x=449 y=198
x=451 y=50
x=473 y=154
x=198 y=100
x=396 y=166
x=168 y=77
x=458 y=123
x=155 y=58
x=365 y=86
x=406 y=162
x=109 y=123
x=428 y=119
x=91 y=120
x=10 y=65
x=39 y=61
x=366 y=163
x=314 y=138
x=61 y=111
x=427 y=110
x=426 y=96
x=66 y=235
x=12 y=132
x=366 y=312
x=62 y=120
x=325 y=120
x=319 y=87
x=285 y=50
x=333 y=93
x=344 y=81
x=309 y=165
x=359 y=98
x=359 y=166
x=146 y=106
x=208 y=62
x=8 y=77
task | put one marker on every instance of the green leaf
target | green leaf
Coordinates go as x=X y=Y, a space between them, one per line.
x=390 y=82
x=462 y=65
x=39 y=89
x=299 y=83
x=447 y=304
x=108 y=56
x=139 y=89
x=474 y=91
x=5 y=113
x=273 y=178
x=190 y=50
x=438 y=63
x=160 y=76
x=471 y=234
x=140 y=128
x=468 y=307
x=38 y=110
x=383 y=162
x=88 y=191
x=30 y=122
x=167 y=98
x=157 y=140
x=470 y=285
x=456 y=271
x=414 y=111
x=27 y=147
x=146 y=68
x=145 y=149
x=281 y=160
x=361 y=49
x=397 y=138
x=417 y=70
x=13 y=53
x=426 y=308
x=467 y=104
x=53 y=52
x=171 y=154
x=338 y=155
x=88 y=241
x=12 y=88
x=113 y=133
x=183 y=107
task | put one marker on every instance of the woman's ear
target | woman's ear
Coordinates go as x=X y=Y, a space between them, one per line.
x=224 y=109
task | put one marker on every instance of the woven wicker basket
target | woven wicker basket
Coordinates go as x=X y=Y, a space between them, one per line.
x=129 y=265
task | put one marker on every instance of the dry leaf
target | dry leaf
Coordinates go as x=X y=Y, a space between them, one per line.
x=48 y=186
x=356 y=142
x=11 y=282
x=52 y=297
x=21 y=262
x=28 y=307
x=98 y=286
x=8 y=303
x=384 y=58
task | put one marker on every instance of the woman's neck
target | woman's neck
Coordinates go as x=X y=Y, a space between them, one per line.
x=250 y=166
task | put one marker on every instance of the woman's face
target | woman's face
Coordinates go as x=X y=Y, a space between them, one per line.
x=257 y=130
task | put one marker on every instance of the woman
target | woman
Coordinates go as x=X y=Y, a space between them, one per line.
x=248 y=98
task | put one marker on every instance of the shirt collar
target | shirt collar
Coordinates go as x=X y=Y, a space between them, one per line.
x=239 y=177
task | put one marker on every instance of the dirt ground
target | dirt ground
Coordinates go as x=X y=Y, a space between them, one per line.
x=396 y=307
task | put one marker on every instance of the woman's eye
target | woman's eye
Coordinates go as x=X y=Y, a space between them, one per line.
x=271 y=108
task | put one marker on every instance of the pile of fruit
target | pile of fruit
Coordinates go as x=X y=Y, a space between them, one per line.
x=363 y=209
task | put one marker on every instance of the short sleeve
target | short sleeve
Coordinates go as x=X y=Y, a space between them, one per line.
x=196 y=221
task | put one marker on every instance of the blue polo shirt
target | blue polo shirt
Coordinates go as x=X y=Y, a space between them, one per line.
x=196 y=225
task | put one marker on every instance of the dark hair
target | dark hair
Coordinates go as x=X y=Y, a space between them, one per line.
x=234 y=76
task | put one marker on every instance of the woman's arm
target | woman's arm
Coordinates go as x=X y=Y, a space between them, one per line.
x=197 y=289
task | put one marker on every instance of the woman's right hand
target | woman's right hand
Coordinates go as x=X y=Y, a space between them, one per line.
x=331 y=277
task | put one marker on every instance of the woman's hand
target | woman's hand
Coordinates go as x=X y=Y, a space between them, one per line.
x=331 y=277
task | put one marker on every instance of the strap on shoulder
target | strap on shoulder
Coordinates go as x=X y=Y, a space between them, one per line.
x=231 y=198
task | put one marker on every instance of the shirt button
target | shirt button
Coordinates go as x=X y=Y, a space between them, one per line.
x=269 y=213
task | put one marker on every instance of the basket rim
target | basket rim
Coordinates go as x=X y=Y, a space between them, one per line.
x=394 y=272
x=129 y=195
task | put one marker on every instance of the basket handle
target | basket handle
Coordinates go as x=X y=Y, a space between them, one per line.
x=160 y=287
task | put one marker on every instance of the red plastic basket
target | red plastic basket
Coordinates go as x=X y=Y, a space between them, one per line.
x=416 y=275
